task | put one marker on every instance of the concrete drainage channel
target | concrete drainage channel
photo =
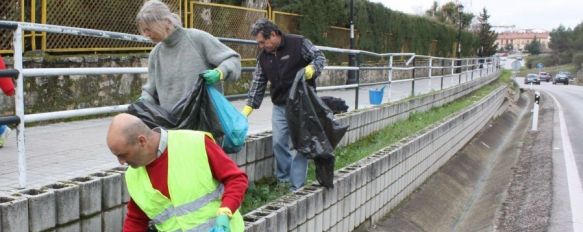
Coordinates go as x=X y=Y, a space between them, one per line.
x=364 y=191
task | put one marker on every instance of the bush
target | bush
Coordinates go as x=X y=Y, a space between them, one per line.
x=578 y=60
x=546 y=60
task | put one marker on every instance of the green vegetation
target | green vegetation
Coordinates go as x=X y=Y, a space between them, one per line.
x=533 y=47
x=267 y=190
x=551 y=69
x=380 y=29
x=486 y=35
x=567 y=45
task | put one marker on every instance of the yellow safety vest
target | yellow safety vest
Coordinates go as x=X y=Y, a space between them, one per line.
x=195 y=195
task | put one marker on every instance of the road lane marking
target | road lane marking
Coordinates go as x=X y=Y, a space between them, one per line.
x=573 y=180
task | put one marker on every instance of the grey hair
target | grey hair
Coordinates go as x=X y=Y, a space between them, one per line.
x=155 y=11
x=265 y=27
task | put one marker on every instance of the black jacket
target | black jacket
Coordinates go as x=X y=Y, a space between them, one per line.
x=279 y=68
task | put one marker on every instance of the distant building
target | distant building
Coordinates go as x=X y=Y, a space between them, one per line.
x=519 y=39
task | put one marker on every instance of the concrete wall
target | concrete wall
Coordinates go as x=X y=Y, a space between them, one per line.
x=364 y=191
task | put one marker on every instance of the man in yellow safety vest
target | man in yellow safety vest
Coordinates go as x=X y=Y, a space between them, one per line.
x=178 y=180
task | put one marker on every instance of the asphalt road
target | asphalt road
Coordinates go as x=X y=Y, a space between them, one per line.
x=567 y=214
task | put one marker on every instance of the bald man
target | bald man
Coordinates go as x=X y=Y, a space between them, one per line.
x=177 y=179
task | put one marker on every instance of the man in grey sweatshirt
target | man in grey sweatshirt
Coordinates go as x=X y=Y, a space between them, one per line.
x=180 y=55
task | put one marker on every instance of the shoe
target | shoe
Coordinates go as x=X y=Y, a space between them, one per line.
x=3 y=136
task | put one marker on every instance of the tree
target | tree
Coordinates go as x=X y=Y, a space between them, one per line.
x=509 y=47
x=433 y=10
x=560 y=39
x=449 y=14
x=486 y=36
x=533 y=47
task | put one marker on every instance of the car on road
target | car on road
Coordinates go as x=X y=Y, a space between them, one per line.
x=532 y=78
x=544 y=76
x=561 y=78
x=568 y=74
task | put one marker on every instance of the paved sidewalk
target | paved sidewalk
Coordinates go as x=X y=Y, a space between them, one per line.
x=63 y=151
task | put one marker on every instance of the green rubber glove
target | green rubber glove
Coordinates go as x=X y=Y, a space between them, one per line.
x=212 y=76
x=222 y=224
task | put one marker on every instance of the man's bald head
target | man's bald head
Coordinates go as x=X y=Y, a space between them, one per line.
x=130 y=140
x=126 y=127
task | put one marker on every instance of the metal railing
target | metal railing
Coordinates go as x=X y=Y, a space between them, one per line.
x=471 y=65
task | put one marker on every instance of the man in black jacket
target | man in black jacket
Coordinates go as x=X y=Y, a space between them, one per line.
x=282 y=56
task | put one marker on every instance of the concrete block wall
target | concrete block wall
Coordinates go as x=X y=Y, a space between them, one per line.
x=257 y=159
x=97 y=202
x=367 y=190
x=91 y=203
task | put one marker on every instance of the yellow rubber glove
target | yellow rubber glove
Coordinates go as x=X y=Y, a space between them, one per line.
x=224 y=211
x=309 y=71
x=246 y=111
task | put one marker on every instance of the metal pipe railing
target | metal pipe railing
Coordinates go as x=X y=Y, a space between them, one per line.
x=471 y=65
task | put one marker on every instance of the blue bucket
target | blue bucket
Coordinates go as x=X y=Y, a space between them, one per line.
x=376 y=96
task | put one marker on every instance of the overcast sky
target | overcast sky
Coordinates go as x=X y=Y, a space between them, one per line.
x=525 y=14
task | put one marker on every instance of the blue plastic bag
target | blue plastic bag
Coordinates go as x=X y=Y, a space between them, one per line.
x=233 y=122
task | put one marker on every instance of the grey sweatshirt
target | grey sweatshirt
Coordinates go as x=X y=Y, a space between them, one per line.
x=174 y=65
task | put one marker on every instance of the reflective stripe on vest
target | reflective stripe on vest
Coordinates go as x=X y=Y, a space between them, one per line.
x=189 y=207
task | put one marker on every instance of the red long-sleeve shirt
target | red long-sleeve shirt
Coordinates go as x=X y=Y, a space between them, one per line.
x=223 y=169
x=6 y=84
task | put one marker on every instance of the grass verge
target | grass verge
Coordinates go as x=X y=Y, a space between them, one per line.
x=267 y=190
x=553 y=70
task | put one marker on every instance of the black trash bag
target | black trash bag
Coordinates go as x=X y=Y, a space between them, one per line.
x=337 y=105
x=325 y=171
x=313 y=130
x=194 y=111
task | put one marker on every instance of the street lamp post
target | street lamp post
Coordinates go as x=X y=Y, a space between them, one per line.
x=351 y=57
x=460 y=9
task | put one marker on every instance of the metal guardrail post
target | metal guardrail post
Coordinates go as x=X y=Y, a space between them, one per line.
x=357 y=75
x=481 y=67
x=467 y=69
x=19 y=104
x=460 y=71
x=473 y=68
x=442 y=65
x=413 y=77
x=430 y=72
x=452 y=68
x=390 y=76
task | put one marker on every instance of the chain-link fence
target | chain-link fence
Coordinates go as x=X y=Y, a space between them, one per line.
x=119 y=16
x=227 y=21
x=287 y=22
x=108 y=15
x=9 y=10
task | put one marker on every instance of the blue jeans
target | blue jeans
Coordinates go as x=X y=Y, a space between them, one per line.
x=291 y=166
x=2 y=129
